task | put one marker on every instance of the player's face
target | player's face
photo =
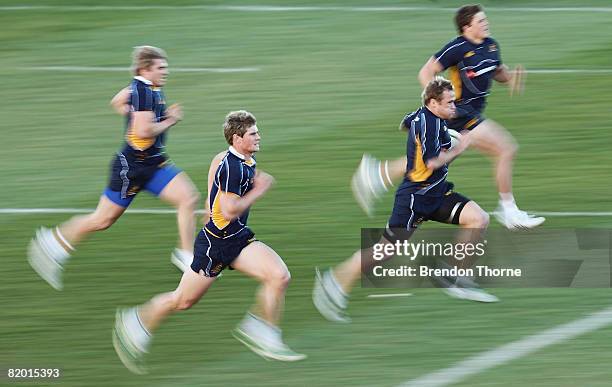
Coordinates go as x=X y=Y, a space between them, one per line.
x=445 y=108
x=250 y=140
x=158 y=72
x=479 y=27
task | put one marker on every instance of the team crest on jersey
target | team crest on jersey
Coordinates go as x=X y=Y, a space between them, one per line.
x=469 y=54
x=133 y=191
x=419 y=221
x=217 y=269
x=492 y=47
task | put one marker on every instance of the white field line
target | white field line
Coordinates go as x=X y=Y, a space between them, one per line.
x=389 y=295
x=570 y=71
x=154 y=211
x=255 y=69
x=511 y=351
x=149 y=211
x=269 y=8
x=127 y=69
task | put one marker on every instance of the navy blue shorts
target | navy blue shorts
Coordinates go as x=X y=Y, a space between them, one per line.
x=410 y=210
x=467 y=118
x=211 y=254
x=127 y=178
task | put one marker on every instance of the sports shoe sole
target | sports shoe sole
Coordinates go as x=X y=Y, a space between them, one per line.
x=245 y=339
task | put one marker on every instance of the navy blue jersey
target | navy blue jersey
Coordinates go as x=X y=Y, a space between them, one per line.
x=234 y=176
x=145 y=97
x=471 y=69
x=427 y=136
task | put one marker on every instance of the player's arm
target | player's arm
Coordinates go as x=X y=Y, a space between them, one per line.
x=432 y=141
x=429 y=71
x=233 y=205
x=514 y=79
x=447 y=157
x=144 y=124
x=121 y=101
x=214 y=165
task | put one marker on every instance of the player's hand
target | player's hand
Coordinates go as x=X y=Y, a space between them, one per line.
x=262 y=181
x=175 y=111
x=464 y=141
x=517 y=82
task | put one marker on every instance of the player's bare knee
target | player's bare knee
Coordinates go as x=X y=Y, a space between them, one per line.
x=511 y=149
x=481 y=220
x=191 y=200
x=280 y=279
x=194 y=198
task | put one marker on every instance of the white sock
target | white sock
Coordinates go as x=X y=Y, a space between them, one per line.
x=261 y=329
x=56 y=250
x=184 y=255
x=334 y=290
x=385 y=174
x=138 y=333
x=506 y=199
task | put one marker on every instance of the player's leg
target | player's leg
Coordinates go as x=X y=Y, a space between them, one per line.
x=332 y=288
x=134 y=327
x=473 y=220
x=373 y=178
x=259 y=329
x=492 y=139
x=176 y=188
x=106 y=214
x=51 y=248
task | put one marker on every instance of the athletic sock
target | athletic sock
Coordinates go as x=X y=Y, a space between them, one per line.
x=506 y=199
x=56 y=246
x=139 y=335
x=383 y=175
x=334 y=290
x=184 y=255
x=261 y=330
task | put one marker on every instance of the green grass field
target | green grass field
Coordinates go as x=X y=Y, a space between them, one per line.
x=330 y=85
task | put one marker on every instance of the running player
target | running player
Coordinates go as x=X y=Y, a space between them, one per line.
x=424 y=194
x=225 y=241
x=473 y=61
x=141 y=164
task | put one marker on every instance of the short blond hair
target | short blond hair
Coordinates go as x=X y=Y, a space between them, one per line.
x=237 y=122
x=435 y=89
x=143 y=57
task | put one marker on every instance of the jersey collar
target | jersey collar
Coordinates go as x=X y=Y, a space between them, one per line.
x=143 y=80
x=249 y=162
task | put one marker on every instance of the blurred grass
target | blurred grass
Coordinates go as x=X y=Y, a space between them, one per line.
x=331 y=86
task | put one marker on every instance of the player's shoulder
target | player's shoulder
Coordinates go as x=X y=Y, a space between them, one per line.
x=409 y=118
x=490 y=40
x=491 y=45
x=458 y=43
x=233 y=161
x=429 y=119
x=139 y=86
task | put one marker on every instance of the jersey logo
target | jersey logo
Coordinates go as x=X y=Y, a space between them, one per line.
x=133 y=191
x=469 y=54
x=492 y=47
